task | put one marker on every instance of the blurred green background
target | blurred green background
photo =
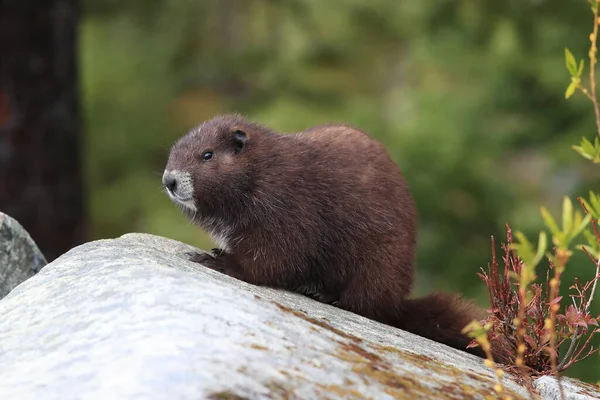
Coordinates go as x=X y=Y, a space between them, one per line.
x=468 y=96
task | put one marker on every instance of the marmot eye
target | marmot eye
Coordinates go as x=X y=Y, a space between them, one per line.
x=207 y=155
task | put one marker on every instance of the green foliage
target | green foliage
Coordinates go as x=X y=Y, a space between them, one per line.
x=592 y=245
x=538 y=336
x=467 y=96
x=593 y=205
x=528 y=254
x=589 y=150
x=573 y=223
x=575 y=72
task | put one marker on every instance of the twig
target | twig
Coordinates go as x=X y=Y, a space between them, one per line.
x=576 y=357
x=589 y=302
x=550 y=323
x=593 y=51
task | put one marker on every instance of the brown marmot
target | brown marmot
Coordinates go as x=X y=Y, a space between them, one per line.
x=324 y=212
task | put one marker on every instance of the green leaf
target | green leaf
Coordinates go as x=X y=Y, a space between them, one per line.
x=586 y=203
x=570 y=63
x=591 y=240
x=513 y=275
x=580 y=70
x=524 y=248
x=570 y=89
x=589 y=150
x=525 y=251
x=582 y=224
x=588 y=206
x=594 y=252
x=584 y=247
x=550 y=222
x=595 y=204
x=582 y=152
x=541 y=249
x=588 y=147
x=595 y=199
x=475 y=330
x=567 y=215
x=594 y=5
x=528 y=274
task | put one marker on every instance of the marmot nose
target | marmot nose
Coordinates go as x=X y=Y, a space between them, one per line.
x=170 y=182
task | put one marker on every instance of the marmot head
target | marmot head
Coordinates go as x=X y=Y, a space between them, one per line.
x=209 y=169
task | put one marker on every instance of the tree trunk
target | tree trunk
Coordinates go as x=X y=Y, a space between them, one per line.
x=40 y=167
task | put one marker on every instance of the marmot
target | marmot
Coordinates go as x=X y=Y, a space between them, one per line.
x=324 y=212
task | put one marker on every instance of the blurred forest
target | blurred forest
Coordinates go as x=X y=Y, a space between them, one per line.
x=467 y=95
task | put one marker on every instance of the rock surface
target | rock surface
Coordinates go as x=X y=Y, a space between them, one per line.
x=131 y=318
x=548 y=389
x=20 y=257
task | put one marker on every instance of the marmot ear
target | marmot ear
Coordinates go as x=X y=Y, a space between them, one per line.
x=239 y=140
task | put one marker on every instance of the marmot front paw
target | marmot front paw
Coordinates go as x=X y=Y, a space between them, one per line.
x=209 y=260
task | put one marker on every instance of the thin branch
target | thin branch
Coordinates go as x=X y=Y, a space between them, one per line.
x=576 y=357
x=589 y=302
x=593 y=50
x=585 y=91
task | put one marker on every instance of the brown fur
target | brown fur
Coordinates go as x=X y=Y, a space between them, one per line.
x=324 y=212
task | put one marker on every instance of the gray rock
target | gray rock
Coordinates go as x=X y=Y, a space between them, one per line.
x=20 y=258
x=131 y=318
x=572 y=390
